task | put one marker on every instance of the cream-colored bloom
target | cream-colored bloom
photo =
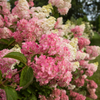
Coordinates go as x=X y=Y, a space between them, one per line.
x=47 y=9
x=71 y=87
x=75 y=65
x=74 y=43
x=23 y=5
x=8 y=6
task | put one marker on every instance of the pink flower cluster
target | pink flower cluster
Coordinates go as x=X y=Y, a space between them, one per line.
x=29 y=49
x=62 y=5
x=27 y=30
x=2 y=95
x=57 y=94
x=5 y=33
x=77 y=96
x=6 y=66
x=91 y=87
x=90 y=68
x=31 y=3
x=54 y=45
x=46 y=70
x=21 y=9
x=79 y=81
x=83 y=42
x=4 y=9
x=93 y=51
x=5 y=63
x=78 y=31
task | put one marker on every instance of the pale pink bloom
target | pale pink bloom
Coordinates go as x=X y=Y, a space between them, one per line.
x=31 y=4
x=80 y=97
x=10 y=73
x=59 y=3
x=83 y=64
x=80 y=55
x=44 y=69
x=82 y=42
x=78 y=31
x=72 y=93
x=58 y=94
x=63 y=11
x=89 y=73
x=67 y=4
x=91 y=92
x=79 y=81
x=64 y=78
x=52 y=2
x=77 y=96
x=64 y=96
x=16 y=2
x=5 y=32
x=30 y=48
x=10 y=20
x=6 y=63
x=92 y=67
x=59 y=22
x=21 y=9
x=4 y=9
x=27 y=30
x=54 y=45
x=63 y=6
x=93 y=96
x=93 y=51
x=92 y=84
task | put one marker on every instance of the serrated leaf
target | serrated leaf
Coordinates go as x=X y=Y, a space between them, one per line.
x=11 y=94
x=17 y=55
x=26 y=77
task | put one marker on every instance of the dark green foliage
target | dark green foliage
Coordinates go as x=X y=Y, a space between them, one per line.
x=40 y=2
x=33 y=91
x=26 y=77
x=17 y=55
x=6 y=43
x=43 y=90
x=0 y=75
x=98 y=24
x=11 y=94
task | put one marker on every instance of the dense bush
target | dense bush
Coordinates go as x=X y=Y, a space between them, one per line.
x=42 y=58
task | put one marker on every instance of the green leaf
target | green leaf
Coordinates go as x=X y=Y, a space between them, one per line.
x=4 y=41
x=17 y=55
x=12 y=29
x=0 y=75
x=33 y=97
x=11 y=41
x=26 y=77
x=11 y=94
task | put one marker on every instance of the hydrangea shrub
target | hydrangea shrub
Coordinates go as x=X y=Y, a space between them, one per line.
x=42 y=58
